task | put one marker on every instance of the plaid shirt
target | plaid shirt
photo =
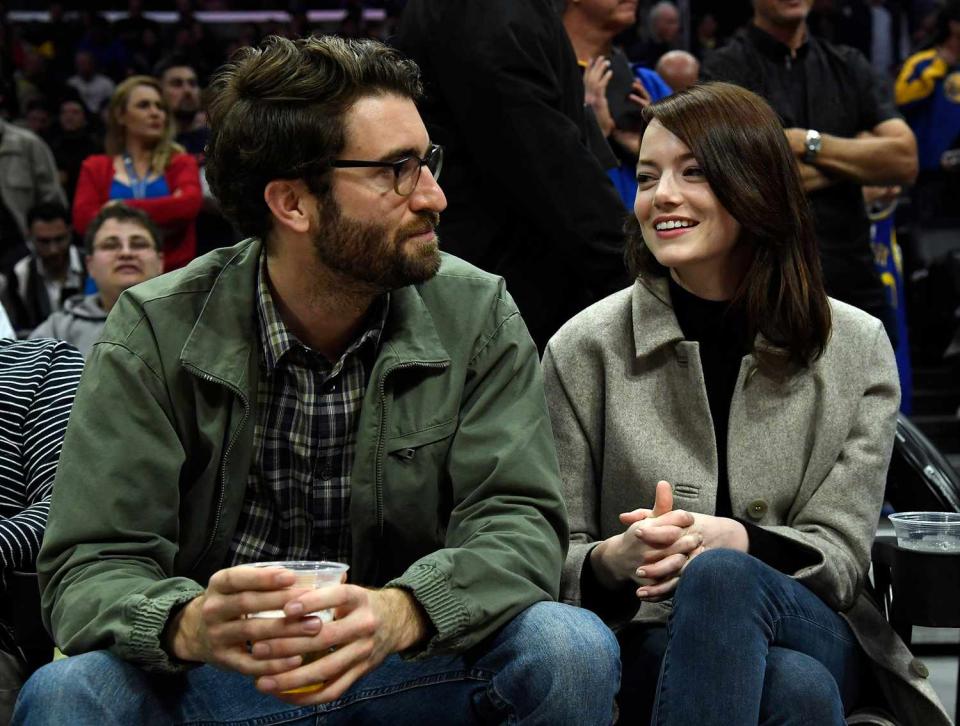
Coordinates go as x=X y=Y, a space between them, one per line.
x=297 y=502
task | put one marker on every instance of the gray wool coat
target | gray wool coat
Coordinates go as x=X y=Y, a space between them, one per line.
x=807 y=456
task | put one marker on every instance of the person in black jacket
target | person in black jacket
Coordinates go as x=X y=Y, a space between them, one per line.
x=843 y=130
x=529 y=199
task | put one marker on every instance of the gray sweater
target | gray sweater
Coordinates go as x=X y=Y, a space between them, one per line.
x=80 y=323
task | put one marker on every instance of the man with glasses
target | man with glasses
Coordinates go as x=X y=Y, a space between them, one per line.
x=42 y=281
x=122 y=250
x=333 y=388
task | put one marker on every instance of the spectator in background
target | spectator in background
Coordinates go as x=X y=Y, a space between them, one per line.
x=181 y=91
x=123 y=249
x=38 y=380
x=705 y=38
x=38 y=120
x=72 y=142
x=678 y=69
x=52 y=272
x=856 y=139
x=146 y=168
x=180 y=88
x=528 y=198
x=663 y=35
x=94 y=88
x=928 y=92
x=614 y=90
x=28 y=176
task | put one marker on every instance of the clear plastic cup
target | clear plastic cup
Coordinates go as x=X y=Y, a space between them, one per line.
x=927 y=531
x=310 y=576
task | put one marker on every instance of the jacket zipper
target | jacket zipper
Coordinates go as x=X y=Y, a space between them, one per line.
x=226 y=455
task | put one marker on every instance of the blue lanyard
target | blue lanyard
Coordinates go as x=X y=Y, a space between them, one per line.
x=137 y=185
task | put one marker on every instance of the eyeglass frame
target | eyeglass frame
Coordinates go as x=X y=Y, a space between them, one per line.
x=397 y=166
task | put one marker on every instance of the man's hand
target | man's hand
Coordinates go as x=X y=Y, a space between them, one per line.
x=639 y=94
x=369 y=626
x=797 y=138
x=596 y=76
x=212 y=628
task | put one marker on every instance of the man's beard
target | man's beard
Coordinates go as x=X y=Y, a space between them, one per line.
x=362 y=251
x=186 y=114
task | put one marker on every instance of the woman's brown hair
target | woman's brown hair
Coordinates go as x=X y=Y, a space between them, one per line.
x=116 y=143
x=740 y=145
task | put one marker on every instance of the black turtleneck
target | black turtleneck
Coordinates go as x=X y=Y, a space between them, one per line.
x=721 y=332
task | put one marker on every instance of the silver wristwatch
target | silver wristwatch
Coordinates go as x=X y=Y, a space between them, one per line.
x=812 y=145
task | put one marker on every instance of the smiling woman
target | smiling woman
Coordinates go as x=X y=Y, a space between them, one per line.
x=750 y=418
x=145 y=168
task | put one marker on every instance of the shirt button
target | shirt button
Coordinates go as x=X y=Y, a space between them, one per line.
x=919 y=668
x=756 y=509
x=326 y=473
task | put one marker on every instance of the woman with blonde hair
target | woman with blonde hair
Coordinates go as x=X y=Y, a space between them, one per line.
x=145 y=168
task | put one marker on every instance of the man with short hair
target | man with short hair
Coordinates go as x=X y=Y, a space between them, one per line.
x=663 y=34
x=123 y=249
x=73 y=142
x=679 y=69
x=843 y=128
x=332 y=388
x=181 y=91
x=52 y=272
x=94 y=87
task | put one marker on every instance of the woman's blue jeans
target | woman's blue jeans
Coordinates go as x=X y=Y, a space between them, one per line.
x=552 y=664
x=747 y=645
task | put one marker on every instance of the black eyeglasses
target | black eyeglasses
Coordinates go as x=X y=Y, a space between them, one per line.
x=406 y=171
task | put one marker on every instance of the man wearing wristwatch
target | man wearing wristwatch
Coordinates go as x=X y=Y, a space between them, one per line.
x=842 y=127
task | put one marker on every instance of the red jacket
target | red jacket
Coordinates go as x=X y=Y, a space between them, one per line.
x=175 y=215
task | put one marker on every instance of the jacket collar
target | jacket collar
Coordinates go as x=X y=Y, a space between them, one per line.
x=654 y=322
x=223 y=341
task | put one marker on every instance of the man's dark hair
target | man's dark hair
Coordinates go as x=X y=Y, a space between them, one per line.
x=174 y=60
x=122 y=213
x=277 y=112
x=738 y=141
x=48 y=212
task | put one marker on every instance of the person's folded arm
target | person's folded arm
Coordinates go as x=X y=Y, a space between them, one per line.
x=182 y=205
x=888 y=155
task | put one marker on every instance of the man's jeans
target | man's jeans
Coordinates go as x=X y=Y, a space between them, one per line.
x=552 y=664
x=748 y=644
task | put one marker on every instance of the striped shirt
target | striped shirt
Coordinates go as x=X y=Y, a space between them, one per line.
x=38 y=380
x=297 y=501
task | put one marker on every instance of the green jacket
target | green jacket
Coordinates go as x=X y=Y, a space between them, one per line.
x=455 y=489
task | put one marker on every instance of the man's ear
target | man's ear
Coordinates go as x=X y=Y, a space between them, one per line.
x=291 y=203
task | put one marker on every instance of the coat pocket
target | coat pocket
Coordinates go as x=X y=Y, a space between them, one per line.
x=417 y=487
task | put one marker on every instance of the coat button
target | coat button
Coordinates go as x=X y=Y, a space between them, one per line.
x=756 y=509
x=919 y=668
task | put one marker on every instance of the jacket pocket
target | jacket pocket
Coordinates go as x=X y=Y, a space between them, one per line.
x=417 y=489
x=406 y=447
